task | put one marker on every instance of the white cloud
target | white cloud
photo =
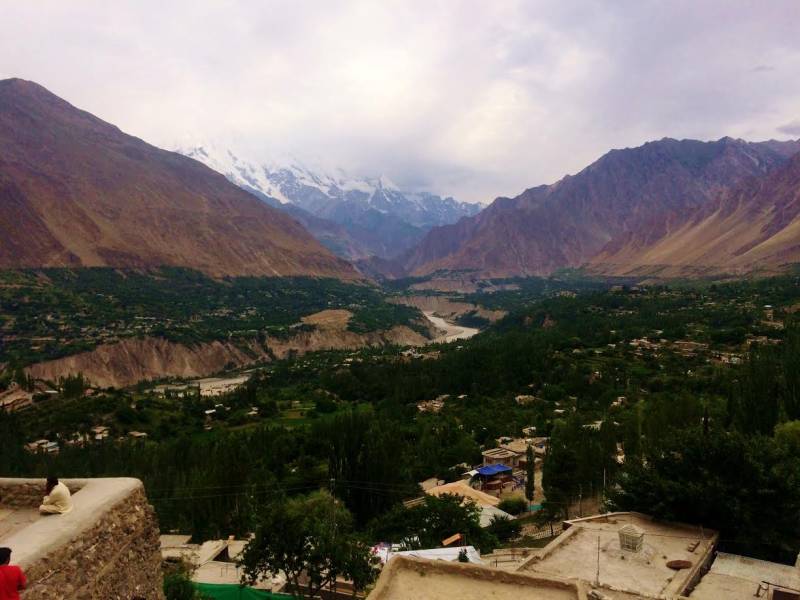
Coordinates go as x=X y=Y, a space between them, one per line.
x=470 y=98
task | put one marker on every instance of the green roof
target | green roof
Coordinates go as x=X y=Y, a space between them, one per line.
x=228 y=591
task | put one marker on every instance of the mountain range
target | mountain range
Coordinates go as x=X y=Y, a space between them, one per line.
x=77 y=191
x=664 y=203
x=355 y=217
x=754 y=227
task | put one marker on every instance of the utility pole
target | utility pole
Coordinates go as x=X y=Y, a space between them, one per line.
x=333 y=527
x=597 y=575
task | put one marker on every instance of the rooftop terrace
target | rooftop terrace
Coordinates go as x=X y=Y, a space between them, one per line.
x=592 y=545
x=736 y=577
x=406 y=578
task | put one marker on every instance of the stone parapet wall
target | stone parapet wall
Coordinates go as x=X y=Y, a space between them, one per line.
x=107 y=548
x=25 y=493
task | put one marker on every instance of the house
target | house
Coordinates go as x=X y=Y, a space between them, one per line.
x=429 y=483
x=501 y=456
x=513 y=452
x=36 y=446
x=627 y=555
x=432 y=406
x=213 y=562
x=494 y=477
x=736 y=577
x=463 y=489
x=450 y=554
x=405 y=577
x=100 y=432
x=524 y=399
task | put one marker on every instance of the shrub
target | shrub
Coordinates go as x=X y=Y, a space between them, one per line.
x=504 y=528
x=513 y=506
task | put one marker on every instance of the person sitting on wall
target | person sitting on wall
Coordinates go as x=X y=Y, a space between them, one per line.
x=58 y=500
x=12 y=579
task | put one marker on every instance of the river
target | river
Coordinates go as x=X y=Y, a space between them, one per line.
x=452 y=332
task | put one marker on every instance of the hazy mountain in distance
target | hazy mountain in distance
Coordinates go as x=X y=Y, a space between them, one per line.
x=378 y=218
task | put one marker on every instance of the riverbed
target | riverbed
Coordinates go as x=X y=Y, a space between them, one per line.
x=452 y=331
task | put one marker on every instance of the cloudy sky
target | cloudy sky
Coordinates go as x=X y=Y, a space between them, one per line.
x=475 y=99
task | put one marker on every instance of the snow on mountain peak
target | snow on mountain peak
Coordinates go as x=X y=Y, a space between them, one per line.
x=321 y=191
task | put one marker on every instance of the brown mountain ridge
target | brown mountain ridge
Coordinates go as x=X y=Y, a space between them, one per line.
x=77 y=191
x=636 y=194
x=753 y=227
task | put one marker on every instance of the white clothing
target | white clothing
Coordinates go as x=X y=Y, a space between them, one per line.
x=58 y=501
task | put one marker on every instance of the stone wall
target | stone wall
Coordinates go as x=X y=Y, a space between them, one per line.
x=22 y=493
x=107 y=548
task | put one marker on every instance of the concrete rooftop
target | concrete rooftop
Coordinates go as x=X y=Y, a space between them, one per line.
x=575 y=554
x=736 y=577
x=406 y=578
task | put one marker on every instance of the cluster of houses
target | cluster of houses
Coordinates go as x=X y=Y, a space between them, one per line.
x=613 y=556
x=96 y=434
x=610 y=556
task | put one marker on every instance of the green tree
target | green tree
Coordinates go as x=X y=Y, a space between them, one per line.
x=504 y=529
x=436 y=519
x=365 y=461
x=559 y=474
x=530 y=473
x=745 y=487
x=178 y=585
x=73 y=386
x=308 y=537
x=513 y=506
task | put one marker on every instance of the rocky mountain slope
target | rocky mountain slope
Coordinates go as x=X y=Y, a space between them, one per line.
x=133 y=360
x=754 y=227
x=640 y=191
x=77 y=191
x=375 y=217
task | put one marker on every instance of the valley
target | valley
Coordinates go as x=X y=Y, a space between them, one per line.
x=451 y=332
x=601 y=369
x=390 y=301
x=118 y=327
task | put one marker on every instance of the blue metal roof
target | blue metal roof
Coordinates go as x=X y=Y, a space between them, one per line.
x=493 y=470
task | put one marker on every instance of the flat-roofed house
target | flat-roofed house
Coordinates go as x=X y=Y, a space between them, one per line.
x=406 y=578
x=628 y=555
x=500 y=456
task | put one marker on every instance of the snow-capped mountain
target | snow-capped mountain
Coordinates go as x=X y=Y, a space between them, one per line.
x=380 y=218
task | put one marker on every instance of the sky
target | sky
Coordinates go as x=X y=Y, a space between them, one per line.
x=473 y=99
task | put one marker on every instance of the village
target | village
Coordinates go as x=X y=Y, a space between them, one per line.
x=484 y=438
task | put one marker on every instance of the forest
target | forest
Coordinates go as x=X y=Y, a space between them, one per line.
x=49 y=313
x=699 y=388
